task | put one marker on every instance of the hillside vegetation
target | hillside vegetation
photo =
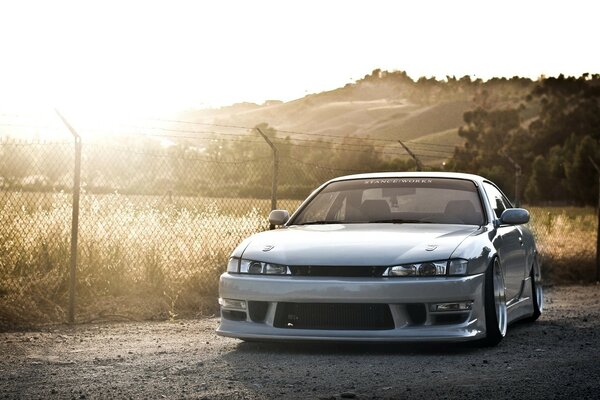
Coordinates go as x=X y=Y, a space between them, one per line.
x=547 y=130
x=383 y=104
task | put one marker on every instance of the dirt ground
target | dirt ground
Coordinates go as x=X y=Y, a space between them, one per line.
x=555 y=357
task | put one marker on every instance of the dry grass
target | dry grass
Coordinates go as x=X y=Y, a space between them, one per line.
x=143 y=257
x=146 y=259
x=566 y=239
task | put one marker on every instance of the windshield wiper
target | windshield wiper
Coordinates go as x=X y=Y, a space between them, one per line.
x=399 y=221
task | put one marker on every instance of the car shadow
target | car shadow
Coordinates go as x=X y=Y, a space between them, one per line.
x=357 y=348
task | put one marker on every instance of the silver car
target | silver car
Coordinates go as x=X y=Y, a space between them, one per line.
x=387 y=257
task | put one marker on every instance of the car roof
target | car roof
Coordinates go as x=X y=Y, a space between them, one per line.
x=388 y=175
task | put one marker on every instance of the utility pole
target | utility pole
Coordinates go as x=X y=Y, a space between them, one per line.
x=74 y=219
x=598 y=227
x=419 y=166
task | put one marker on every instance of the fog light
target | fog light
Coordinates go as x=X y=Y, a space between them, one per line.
x=460 y=306
x=233 y=304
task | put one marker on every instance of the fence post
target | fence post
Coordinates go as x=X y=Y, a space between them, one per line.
x=74 y=220
x=518 y=171
x=275 y=171
x=419 y=164
x=598 y=224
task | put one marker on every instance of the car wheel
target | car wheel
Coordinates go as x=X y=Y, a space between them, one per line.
x=537 y=297
x=496 y=320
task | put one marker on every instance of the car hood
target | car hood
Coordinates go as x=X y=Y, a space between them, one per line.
x=357 y=244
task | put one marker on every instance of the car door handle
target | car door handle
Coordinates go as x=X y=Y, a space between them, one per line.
x=521 y=241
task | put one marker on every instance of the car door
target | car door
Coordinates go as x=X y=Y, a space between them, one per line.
x=509 y=244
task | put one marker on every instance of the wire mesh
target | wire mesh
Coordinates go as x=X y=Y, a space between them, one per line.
x=167 y=231
x=158 y=222
x=35 y=226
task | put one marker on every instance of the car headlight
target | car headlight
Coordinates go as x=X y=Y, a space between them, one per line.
x=244 y=266
x=430 y=268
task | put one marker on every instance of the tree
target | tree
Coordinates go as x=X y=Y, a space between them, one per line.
x=570 y=106
x=553 y=150
x=538 y=182
x=489 y=135
x=581 y=177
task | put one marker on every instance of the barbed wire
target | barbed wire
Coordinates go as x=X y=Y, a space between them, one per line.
x=280 y=139
x=32 y=142
x=391 y=142
x=231 y=126
x=430 y=153
x=387 y=153
x=292 y=132
x=171 y=155
x=412 y=142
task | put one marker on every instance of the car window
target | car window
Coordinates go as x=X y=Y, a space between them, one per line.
x=497 y=200
x=435 y=200
x=322 y=204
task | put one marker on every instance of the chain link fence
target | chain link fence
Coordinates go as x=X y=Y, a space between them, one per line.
x=157 y=224
x=155 y=227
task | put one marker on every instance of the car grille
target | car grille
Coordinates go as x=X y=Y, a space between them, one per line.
x=354 y=271
x=333 y=316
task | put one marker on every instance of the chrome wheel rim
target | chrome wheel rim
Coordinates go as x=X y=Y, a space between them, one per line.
x=500 y=298
x=539 y=296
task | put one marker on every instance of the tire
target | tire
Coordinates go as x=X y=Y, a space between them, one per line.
x=537 y=297
x=495 y=305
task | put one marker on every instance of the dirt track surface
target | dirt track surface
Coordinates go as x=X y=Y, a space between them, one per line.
x=555 y=357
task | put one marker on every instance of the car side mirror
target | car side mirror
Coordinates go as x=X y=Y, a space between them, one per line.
x=514 y=216
x=279 y=217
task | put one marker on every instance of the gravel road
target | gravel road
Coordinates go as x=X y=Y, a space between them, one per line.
x=556 y=357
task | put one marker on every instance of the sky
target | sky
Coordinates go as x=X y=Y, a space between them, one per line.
x=157 y=57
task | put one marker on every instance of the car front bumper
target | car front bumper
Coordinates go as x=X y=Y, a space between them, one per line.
x=399 y=294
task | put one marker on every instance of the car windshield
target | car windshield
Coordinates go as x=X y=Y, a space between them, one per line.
x=394 y=200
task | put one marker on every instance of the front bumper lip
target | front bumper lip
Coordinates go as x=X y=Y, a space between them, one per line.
x=253 y=331
x=392 y=291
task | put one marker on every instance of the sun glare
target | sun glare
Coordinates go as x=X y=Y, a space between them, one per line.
x=139 y=59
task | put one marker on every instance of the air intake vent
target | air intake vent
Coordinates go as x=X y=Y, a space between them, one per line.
x=257 y=310
x=333 y=316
